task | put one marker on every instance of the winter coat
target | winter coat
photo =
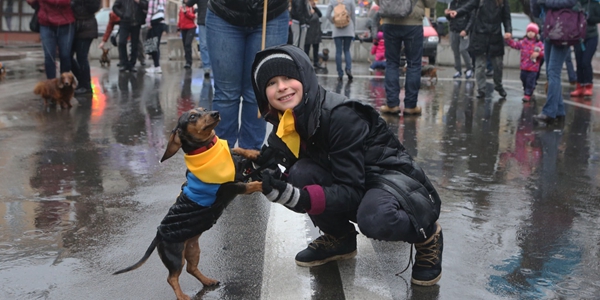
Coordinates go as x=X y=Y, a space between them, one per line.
x=53 y=12
x=202 y=7
x=186 y=18
x=527 y=47
x=86 y=26
x=416 y=16
x=593 y=17
x=314 y=33
x=365 y=154
x=458 y=24
x=247 y=13
x=486 y=31
x=347 y=31
x=378 y=49
x=300 y=11
x=131 y=12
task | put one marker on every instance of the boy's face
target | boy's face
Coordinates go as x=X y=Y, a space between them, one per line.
x=531 y=34
x=284 y=92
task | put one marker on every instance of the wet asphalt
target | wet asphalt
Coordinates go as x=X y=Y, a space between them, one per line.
x=81 y=194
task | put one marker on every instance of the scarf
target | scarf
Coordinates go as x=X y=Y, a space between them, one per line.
x=286 y=131
x=214 y=165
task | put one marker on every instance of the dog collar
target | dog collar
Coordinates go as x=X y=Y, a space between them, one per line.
x=204 y=148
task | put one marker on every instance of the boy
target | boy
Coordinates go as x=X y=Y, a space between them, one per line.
x=343 y=165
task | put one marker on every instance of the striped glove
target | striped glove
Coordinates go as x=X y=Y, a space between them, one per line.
x=284 y=193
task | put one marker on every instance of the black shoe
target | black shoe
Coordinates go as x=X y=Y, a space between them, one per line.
x=480 y=94
x=142 y=63
x=327 y=248
x=489 y=73
x=82 y=90
x=132 y=70
x=123 y=69
x=349 y=73
x=543 y=119
x=501 y=91
x=187 y=66
x=340 y=78
x=427 y=269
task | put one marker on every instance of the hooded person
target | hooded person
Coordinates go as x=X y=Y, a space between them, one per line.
x=342 y=165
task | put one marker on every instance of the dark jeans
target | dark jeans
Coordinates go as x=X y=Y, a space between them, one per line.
x=315 y=53
x=53 y=37
x=412 y=37
x=378 y=64
x=529 y=80
x=187 y=36
x=80 y=64
x=583 y=58
x=127 y=30
x=342 y=45
x=378 y=214
x=156 y=31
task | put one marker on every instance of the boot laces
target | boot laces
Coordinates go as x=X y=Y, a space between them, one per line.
x=427 y=255
x=326 y=241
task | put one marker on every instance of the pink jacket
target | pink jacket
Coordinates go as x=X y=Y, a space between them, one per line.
x=378 y=50
x=527 y=47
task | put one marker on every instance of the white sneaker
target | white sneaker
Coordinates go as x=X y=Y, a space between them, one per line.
x=158 y=70
x=150 y=70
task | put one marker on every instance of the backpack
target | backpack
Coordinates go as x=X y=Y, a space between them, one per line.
x=341 y=18
x=565 y=26
x=396 y=9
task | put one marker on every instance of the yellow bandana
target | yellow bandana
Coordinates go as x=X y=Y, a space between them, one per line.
x=287 y=132
x=214 y=165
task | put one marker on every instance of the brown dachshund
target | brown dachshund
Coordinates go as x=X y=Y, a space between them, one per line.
x=426 y=71
x=104 y=58
x=177 y=237
x=58 y=90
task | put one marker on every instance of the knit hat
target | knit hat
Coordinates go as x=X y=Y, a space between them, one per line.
x=276 y=64
x=380 y=35
x=533 y=27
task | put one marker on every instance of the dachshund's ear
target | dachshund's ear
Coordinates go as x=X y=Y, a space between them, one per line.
x=75 y=82
x=59 y=83
x=173 y=146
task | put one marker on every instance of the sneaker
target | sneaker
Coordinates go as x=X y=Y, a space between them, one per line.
x=457 y=75
x=327 y=248
x=158 y=70
x=526 y=98
x=412 y=111
x=469 y=74
x=132 y=70
x=427 y=269
x=150 y=70
x=371 y=71
x=543 y=119
x=489 y=73
x=123 y=69
x=389 y=110
x=501 y=91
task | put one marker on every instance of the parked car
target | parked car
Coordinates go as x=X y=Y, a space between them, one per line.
x=430 y=41
x=102 y=18
x=519 y=25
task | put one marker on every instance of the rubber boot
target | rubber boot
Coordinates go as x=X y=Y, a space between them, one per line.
x=588 y=89
x=578 y=92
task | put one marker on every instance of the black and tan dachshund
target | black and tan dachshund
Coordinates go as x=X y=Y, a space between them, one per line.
x=177 y=237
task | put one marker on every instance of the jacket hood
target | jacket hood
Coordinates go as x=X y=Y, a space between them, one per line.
x=312 y=92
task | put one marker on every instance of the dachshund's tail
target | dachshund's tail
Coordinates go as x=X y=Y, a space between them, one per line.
x=149 y=251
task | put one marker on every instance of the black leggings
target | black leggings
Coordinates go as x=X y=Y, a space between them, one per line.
x=157 y=31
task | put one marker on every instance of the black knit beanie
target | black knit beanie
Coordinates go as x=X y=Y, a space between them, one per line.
x=276 y=64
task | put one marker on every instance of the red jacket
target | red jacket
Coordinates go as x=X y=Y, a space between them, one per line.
x=54 y=12
x=187 y=18
x=378 y=50
x=113 y=19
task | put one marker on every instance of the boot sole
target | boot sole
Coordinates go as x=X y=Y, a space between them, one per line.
x=324 y=261
x=426 y=283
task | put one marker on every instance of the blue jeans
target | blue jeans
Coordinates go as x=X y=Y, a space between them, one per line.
x=232 y=50
x=342 y=44
x=555 y=58
x=80 y=63
x=585 y=73
x=412 y=37
x=570 y=69
x=203 y=47
x=529 y=80
x=61 y=37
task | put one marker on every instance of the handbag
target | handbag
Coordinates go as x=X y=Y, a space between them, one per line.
x=151 y=45
x=34 y=24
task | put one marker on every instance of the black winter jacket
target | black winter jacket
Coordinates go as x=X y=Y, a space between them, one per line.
x=314 y=33
x=247 y=13
x=352 y=142
x=202 y=7
x=131 y=12
x=458 y=24
x=486 y=31
x=300 y=11
x=86 y=26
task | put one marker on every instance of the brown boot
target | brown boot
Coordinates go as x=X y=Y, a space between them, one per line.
x=578 y=92
x=412 y=111
x=389 y=110
x=588 y=89
x=427 y=269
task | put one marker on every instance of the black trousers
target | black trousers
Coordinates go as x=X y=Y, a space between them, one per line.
x=187 y=36
x=127 y=30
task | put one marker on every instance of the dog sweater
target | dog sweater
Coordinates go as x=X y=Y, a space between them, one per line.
x=207 y=171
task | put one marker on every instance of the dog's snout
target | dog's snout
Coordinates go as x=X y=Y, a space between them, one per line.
x=215 y=114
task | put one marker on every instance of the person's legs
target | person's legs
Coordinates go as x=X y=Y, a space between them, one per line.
x=82 y=51
x=315 y=54
x=65 y=35
x=413 y=49
x=49 y=41
x=464 y=52
x=187 y=36
x=497 y=77
x=586 y=60
x=338 y=56
x=141 y=54
x=570 y=69
x=124 y=33
x=555 y=59
x=204 y=56
x=480 y=70
x=295 y=33
x=135 y=42
x=347 y=42
x=393 y=45
x=77 y=44
x=455 y=46
x=530 y=82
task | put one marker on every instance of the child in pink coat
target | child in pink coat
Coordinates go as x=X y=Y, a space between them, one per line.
x=378 y=49
x=532 y=50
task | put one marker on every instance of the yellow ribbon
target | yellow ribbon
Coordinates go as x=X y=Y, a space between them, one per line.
x=287 y=132
x=214 y=165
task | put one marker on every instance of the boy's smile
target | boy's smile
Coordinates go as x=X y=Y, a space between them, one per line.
x=284 y=92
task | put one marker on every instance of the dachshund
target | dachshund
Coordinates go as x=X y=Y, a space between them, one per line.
x=426 y=71
x=323 y=58
x=104 y=58
x=58 y=90
x=205 y=154
x=2 y=72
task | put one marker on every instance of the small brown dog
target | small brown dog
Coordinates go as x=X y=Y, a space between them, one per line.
x=105 y=59
x=177 y=237
x=323 y=58
x=426 y=71
x=58 y=90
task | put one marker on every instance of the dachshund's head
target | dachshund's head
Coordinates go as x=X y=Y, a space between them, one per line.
x=195 y=129
x=67 y=79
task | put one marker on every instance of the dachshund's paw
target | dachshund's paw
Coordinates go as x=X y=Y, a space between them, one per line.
x=246 y=153
x=209 y=281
